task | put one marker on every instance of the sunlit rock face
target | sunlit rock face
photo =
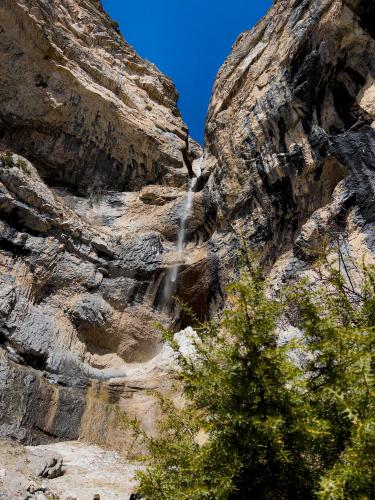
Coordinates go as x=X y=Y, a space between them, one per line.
x=290 y=136
x=78 y=100
x=93 y=190
x=93 y=177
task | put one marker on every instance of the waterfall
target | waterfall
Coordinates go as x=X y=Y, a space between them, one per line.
x=170 y=280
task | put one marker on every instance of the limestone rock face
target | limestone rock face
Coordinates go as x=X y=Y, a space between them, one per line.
x=291 y=133
x=94 y=163
x=78 y=100
x=80 y=281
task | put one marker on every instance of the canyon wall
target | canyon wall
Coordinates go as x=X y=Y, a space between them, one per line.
x=81 y=103
x=93 y=183
x=290 y=135
x=94 y=169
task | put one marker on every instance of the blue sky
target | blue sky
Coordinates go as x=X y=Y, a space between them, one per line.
x=188 y=40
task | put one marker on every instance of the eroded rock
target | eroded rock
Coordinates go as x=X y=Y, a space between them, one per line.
x=77 y=98
x=290 y=131
x=81 y=255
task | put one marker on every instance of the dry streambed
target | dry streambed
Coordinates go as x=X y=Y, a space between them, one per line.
x=84 y=472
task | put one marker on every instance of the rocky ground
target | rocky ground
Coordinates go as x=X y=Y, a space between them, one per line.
x=82 y=472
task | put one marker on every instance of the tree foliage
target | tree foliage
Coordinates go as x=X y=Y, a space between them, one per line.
x=254 y=423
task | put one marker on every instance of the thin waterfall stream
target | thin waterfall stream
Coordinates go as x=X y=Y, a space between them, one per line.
x=171 y=278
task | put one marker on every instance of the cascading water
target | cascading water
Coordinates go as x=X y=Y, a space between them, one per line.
x=170 y=280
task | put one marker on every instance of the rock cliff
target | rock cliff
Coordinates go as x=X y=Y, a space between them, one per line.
x=94 y=168
x=290 y=136
x=93 y=183
x=79 y=101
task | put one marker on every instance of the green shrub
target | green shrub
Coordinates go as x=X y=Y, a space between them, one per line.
x=273 y=430
x=338 y=323
x=22 y=164
x=8 y=159
x=9 y=162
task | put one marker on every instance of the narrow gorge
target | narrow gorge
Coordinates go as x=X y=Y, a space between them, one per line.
x=112 y=216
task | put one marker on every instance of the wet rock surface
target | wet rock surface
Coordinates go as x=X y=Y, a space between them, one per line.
x=79 y=295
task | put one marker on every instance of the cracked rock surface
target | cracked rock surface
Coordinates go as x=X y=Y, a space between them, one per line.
x=290 y=131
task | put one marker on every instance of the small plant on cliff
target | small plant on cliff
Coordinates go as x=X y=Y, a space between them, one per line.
x=9 y=162
x=256 y=425
x=22 y=164
x=8 y=159
x=116 y=26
